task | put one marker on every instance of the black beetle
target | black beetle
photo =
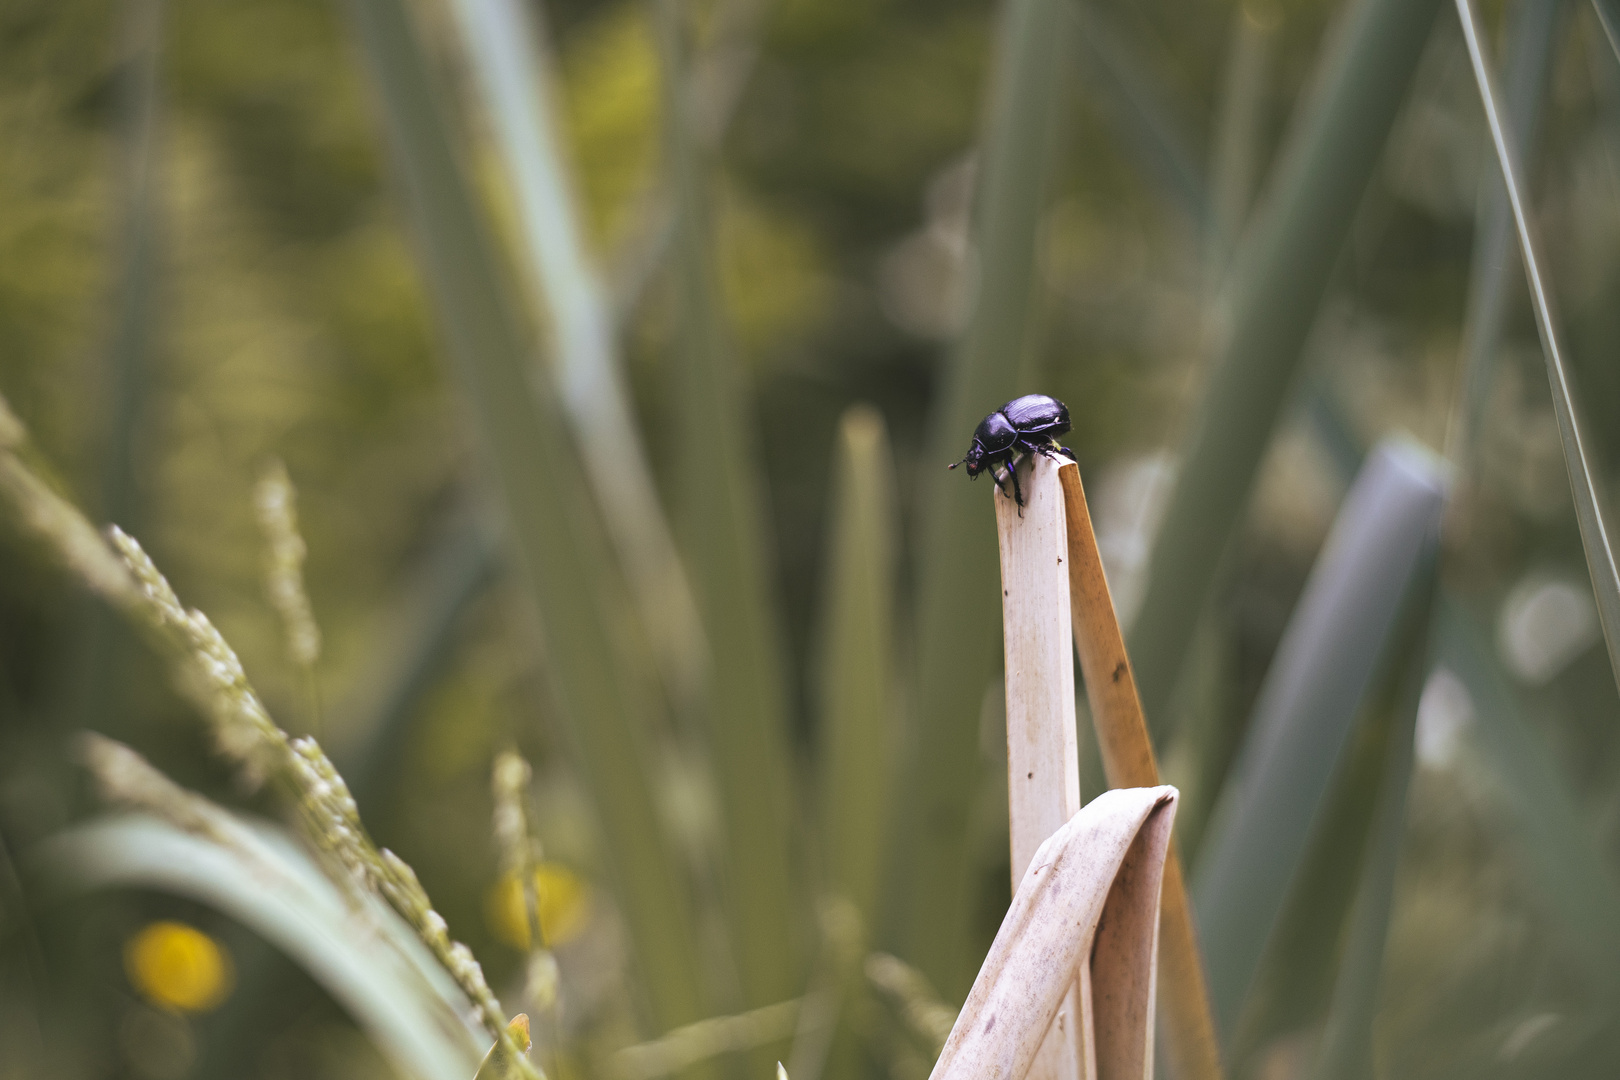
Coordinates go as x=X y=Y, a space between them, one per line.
x=1026 y=425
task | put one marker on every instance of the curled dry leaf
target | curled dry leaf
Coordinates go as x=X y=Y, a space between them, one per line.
x=1091 y=895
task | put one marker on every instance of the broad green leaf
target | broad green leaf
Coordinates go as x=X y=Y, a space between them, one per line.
x=1346 y=1050
x=1278 y=281
x=1340 y=635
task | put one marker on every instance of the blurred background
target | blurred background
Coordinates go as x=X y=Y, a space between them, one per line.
x=616 y=351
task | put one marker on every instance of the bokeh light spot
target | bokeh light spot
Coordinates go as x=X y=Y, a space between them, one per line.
x=178 y=967
x=564 y=906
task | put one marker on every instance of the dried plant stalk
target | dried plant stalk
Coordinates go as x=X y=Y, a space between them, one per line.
x=1128 y=761
x=1090 y=898
x=1043 y=765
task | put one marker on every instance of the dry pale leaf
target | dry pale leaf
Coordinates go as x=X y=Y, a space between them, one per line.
x=1095 y=881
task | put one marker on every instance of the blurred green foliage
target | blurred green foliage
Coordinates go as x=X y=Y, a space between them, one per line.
x=853 y=171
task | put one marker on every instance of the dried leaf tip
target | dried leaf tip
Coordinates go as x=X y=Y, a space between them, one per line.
x=506 y=1059
x=781 y=1073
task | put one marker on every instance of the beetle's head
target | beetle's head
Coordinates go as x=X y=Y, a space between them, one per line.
x=974 y=460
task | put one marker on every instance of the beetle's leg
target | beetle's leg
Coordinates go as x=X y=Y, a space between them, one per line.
x=1018 y=495
x=1058 y=452
x=995 y=474
x=1043 y=445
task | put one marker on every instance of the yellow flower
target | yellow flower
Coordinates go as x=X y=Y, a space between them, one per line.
x=564 y=906
x=178 y=967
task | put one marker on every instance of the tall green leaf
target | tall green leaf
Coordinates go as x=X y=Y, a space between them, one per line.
x=1235 y=157
x=957 y=622
x=1347 y=1043
x=132 y=343
x=512 y=69
x=600 y=681
x=1600 y=561
x=1608 y=13
x=1279 y=279
x=130 y=350
x=722 y=521
x=1339 y=637
x=1495 y=256
x=857 y=701
x=858 y=716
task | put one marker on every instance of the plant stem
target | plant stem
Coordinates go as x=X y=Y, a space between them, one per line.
x=1043 y=763
x=1127 y=752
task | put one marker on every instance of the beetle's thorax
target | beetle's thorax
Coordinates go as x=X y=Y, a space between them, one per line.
x=995 y=436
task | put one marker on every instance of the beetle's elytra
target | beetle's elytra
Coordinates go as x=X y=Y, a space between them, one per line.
x=1025 y=425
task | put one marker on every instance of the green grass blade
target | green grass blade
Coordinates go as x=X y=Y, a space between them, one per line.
x=957 y=614
x=1279 y=279
x=1600 y=561
x=1495 y=257
x=1337 y=639
x=1608 y=13
x=1236 y=157
x=122 y=392
x=598 y=678
x=1347 y=1043
x=858 y=701
x=1137 y=110
x=859 y=731
x=722 y=520
x=130 y=350
x=384 y=979
x=1573 y=877
x=510 y=65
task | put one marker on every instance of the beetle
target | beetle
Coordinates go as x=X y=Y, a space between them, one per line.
x=1025 y=425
